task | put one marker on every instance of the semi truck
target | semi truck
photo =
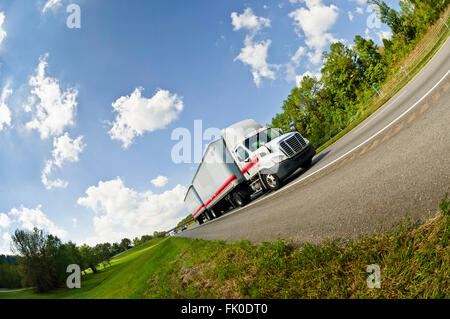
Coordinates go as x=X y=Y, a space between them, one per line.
x=247 y=159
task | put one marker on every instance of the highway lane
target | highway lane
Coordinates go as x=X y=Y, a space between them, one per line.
x=394 y=163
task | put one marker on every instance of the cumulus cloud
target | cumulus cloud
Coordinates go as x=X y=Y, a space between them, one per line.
x=359 y=10
x=350 y=16
x=254 y=54
x=5 y=244
x=5 y=221
x=314 y=21
x=361 y=2
x=123 y=212
x=30 y=218
x=51 y=4
x=137 y=114
x=294 y=63
x=160 y=181
x=384 y=35
x=2 y=32
x=65 y=149
x=248 y=20
x=5 y=113
x=53 y=108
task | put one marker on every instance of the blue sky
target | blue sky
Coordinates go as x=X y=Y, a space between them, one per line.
x=86 y=114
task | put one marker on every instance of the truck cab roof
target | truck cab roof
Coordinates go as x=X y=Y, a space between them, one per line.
x=236 y=133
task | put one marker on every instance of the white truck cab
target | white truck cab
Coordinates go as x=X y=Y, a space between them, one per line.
x=264 y=155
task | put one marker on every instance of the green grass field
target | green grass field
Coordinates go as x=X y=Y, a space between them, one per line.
x=414 y=262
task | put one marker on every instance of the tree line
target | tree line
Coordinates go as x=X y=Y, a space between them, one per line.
x=42 y=258
x=319 y=107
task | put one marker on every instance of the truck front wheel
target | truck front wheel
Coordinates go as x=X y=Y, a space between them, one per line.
x=272 y=181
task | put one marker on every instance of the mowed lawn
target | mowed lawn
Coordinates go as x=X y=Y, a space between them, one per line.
x=125 y=278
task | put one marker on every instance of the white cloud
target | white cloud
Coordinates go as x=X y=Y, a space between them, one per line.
x=384 y=35
x=5 y=244
x=51 y=4
x=30 y=218
x=361 y=2
x=2 y=32
x=138 y=114
x=315 y=20
x=55 y=109
x=350 y=16
x=5 y=221
x=248 y=20
x=359 y=10
x=123 y=212
x=254 y=54
x=5 y=113
x=299 y=78
x=65 y=149
x=294 y=63
x=74 y=222
x=160 y=181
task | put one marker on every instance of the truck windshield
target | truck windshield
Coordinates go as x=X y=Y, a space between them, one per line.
x=256 y=141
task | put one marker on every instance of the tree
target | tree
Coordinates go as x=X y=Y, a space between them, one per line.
x=157 y=234
x=341 y=76
x=38 y=254
x=103 y=251
x=282 y=122
x=369 y=61
x=115 y=249
x=90 y=258
x=125 y=244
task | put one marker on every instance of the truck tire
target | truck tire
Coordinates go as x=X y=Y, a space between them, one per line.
x=307 y=164
x=272 y=181
x=208 y=215
x=215 y=214
x=239 y=200
x=200 y=220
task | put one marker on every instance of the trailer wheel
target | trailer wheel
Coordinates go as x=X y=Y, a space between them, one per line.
x=200 y=220
x=216 y=214
x=272 y=181
x=239 y=200
x=209 y=216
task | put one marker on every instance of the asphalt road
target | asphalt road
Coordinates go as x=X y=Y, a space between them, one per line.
x=395 y=163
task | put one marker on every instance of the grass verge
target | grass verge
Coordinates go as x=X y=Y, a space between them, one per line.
x=414 y=262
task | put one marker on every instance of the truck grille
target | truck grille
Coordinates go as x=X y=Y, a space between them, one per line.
x=293 y=144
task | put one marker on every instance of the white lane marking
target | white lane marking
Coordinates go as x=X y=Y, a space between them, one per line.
x=356 y=147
